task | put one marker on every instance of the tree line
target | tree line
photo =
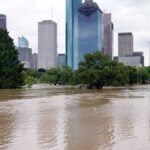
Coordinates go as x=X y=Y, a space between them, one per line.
x=95 y=71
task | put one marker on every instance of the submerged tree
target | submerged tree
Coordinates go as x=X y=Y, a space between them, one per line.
x=60 y=76
x=98 y=70
x=11 y=75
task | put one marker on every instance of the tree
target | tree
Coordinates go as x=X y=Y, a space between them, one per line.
x=56 y=76
x=65 y=75
x=11 y=75
x=133 y=77
x=98 y=70
x=142 y=75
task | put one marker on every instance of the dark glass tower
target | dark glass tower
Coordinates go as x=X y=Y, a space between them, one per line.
x=3 y=22
x=89 y=35
x=71 y=19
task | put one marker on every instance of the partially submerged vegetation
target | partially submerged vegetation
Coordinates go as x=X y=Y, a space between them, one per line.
x=96 y=71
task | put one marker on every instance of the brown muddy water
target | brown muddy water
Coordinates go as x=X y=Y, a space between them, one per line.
x=70 y=119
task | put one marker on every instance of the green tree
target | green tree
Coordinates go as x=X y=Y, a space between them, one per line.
x=65 y=75
x=11 y=75
x=133 y=76
x=56 y=76
x=142 y=75
x=98 y=70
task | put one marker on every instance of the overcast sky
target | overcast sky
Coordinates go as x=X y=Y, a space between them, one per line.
x=127 y=16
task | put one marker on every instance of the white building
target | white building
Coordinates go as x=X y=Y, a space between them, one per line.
x=47 y=44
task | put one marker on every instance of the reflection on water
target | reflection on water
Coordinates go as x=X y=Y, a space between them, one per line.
x=71 y=119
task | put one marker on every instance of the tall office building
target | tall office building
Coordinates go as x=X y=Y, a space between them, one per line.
x=89 y=35
x=125 y=44
x=71 y=20
x=47 y=44
x=23 y=42
x=126 y=54
x=25 y=53
x=3 y=24
x=108 y=35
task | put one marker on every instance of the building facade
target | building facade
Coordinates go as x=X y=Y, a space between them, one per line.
x=3 y=24
x=47 y=44
x=23 y=42
x=133 y=61
x=25 y=56
x=34 y=61
x=108 y=35
x=125 y=44
x=71 y=20
x=61 y=60
x=89 y=36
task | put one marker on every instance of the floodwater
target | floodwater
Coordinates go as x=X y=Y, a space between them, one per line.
x=68 y=119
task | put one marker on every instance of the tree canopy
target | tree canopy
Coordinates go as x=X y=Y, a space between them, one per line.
x=98 y=70
x=10 y=67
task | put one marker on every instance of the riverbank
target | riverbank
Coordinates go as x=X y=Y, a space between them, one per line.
x=43 y=86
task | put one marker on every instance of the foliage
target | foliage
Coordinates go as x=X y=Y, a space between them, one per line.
x=95 y=71
x=142 y=75
x=98 y=70
x=11 y=75
x=133 y=77
x=30 y=81
x=56 y=76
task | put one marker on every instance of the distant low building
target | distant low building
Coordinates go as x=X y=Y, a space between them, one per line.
x=134 y=60
x=61 y=61
x=34 y=61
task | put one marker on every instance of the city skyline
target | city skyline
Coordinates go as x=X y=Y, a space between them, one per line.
x=124 y=15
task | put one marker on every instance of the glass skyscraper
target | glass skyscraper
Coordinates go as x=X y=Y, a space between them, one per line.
x=23 y=42
x=71 y=19
x=89 y=35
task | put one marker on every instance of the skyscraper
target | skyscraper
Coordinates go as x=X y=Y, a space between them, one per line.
x=125 y=44
x=3 y=24
x=25 y=56
x=71 y=19
x=108 y=35
x=47 y=44
x=23 y=42
x=89 y=35
x=25 y=53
